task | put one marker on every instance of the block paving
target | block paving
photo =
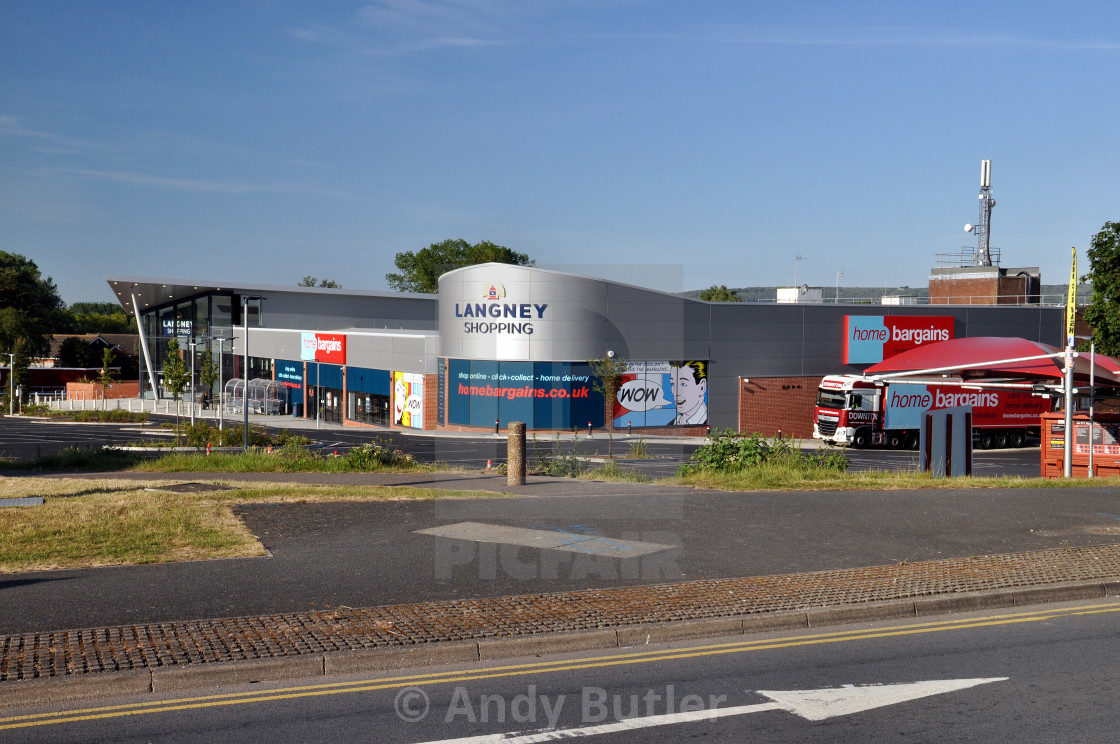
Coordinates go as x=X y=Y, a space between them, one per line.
x=129 y=647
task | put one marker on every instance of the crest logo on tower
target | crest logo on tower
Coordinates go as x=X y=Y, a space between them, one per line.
x=494 y=292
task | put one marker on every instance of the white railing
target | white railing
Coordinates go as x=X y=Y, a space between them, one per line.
x=1046 y=300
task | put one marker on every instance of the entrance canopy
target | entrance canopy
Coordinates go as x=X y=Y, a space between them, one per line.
x=995 y=359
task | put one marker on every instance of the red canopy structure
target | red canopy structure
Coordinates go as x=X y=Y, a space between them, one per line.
x=995 y=358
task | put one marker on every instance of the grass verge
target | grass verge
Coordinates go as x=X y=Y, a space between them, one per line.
x=365 y=458
x=86 y=523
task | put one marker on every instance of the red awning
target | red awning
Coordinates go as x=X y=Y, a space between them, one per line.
x=995 y=357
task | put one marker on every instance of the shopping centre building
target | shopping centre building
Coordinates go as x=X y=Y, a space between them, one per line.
x=503 y=343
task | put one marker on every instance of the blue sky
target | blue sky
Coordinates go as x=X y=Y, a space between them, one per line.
x=262 y=140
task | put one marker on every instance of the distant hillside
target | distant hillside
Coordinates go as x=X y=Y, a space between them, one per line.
x=1052 y=293
x=770 y=294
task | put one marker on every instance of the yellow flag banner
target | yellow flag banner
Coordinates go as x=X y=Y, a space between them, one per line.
x=1071 y=302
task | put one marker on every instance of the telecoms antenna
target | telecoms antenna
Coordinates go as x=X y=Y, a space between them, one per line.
x=984 y=228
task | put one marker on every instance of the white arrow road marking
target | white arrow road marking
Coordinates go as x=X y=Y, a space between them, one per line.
x=544 y=539
x=814 y=705
x=817 y=705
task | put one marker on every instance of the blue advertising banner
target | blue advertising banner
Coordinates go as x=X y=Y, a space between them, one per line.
x=290 y=374
x=545 y=395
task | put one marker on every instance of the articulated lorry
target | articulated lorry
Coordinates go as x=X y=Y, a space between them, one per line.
x=861 y=413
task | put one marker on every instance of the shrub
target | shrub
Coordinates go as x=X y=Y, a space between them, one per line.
x=203 y=433
x=639 y=449
x=375 y=455
x=113 y=415
x=727 y=452
x=557 y=463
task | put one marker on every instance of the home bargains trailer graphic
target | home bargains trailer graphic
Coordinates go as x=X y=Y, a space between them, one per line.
x=663 y=394
x=906 y=404
x=872 y=338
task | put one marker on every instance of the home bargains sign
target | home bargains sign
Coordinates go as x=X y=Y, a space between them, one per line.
x=323 y=347
x=872 y=338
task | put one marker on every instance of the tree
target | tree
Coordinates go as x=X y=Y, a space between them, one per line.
x=720 y=294
x=607 y=380
x=1103 y=312
x=108 y=375
x=208 y=372
x=175 y=375
x=420 y=271
x=314 y=281
x=76 y=352
x=30 y=309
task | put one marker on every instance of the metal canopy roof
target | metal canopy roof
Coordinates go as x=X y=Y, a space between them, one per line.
x=154 y=292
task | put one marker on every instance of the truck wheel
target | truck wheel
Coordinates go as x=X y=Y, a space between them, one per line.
x=985 y=441
x=861 y=439
x=895 y=440
x=912 y=441
x=1000 y=440
x=1018 y=439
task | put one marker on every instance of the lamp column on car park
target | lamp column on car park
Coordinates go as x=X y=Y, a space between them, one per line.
x=245 y=395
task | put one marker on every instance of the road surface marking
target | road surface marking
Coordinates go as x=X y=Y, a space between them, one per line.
x=544 y=539
x=813 y=705
x=561 y=665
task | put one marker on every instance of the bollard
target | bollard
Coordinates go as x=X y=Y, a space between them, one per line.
x=588 y=428
x=628 y=428
x=779 y=435
x=496 y=429
x=708 y=432
x=207 y=449
x=489 y=465
x=515 y=454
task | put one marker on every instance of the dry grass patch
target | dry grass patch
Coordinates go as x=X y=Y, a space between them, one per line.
x=106 y=522
x=764 y=478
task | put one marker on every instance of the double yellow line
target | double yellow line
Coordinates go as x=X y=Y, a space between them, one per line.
x=543 y=667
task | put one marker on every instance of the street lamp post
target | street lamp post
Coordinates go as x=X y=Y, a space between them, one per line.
x=221 y=386
x=245 y=396
x=838 y=275
x=11 y=380
x=194 y=392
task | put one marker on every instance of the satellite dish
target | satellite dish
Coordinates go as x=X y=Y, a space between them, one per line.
x=968 y=227
x=803 y=289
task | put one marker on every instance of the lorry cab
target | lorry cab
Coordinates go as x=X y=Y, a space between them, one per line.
x=847 y=410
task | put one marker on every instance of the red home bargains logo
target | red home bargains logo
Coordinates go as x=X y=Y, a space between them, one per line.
x=330 y=348
x=872 y=338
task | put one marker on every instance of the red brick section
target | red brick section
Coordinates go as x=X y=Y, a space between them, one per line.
x=767 y=404
x=94 y=391
x=963 y=291
x=431 y=401
x=73 y=652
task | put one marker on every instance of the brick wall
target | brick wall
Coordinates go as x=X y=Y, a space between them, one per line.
x=979 y=291
x=1013 y=290
x=431 y=401
x=767 y=404
x=93 y=391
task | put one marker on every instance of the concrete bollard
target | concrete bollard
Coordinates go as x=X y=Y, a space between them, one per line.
x=515 y=454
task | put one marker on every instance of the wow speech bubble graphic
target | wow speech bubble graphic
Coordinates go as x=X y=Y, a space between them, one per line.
x=642 y=395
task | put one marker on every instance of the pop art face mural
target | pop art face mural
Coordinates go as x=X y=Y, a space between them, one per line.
x=663 y=394
x=408 y=400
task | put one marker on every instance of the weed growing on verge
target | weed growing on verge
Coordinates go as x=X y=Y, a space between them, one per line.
x=726 y=452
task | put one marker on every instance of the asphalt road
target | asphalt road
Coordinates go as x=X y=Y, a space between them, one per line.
x=367 y=554
x=1037 y=675
x=27 y=438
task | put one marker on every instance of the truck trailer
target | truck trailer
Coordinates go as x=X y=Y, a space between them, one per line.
x=862 y=413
